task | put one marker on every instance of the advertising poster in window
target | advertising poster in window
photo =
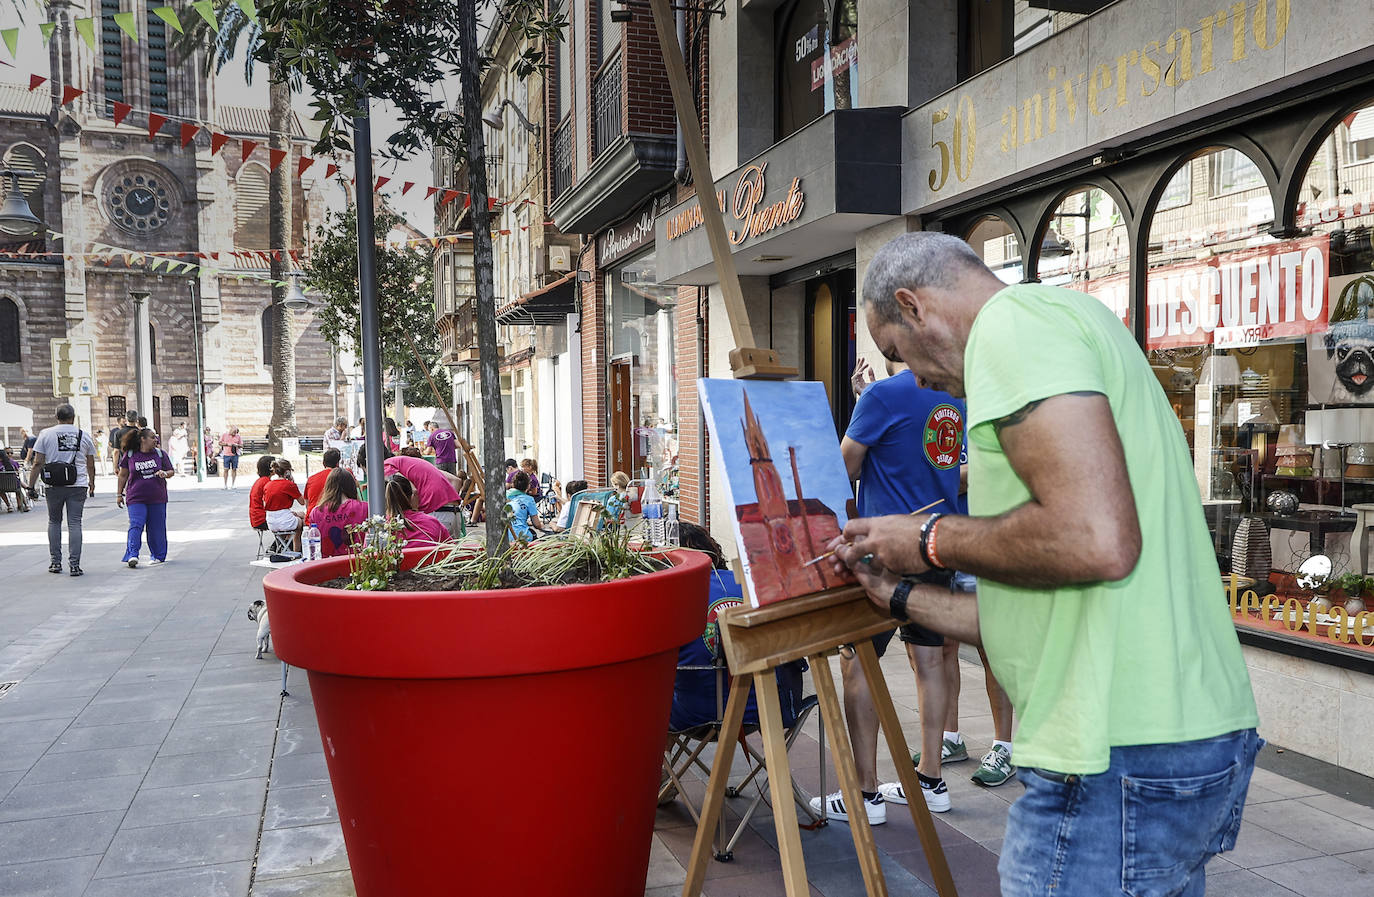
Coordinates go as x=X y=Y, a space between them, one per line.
x=1340 y=362
x=1241 y=298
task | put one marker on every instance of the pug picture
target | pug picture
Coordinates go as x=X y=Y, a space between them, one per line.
x=1341 y=361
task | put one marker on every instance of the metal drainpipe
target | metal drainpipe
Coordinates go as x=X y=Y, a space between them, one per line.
x=680 y=169
x=703 y=370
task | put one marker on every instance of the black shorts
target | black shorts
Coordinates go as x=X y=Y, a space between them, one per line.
x=910 y=633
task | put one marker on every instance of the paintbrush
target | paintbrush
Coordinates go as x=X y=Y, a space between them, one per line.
x=828 y=554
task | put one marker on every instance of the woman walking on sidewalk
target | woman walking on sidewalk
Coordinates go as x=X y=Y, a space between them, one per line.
x=143 y=473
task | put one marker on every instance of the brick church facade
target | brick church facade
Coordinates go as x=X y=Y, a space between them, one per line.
x=97 y=183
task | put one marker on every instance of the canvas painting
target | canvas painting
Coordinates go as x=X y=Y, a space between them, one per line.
x=1340 y=362
x=785 y=478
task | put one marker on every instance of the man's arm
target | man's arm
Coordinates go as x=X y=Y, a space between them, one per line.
x=854 y=454
x=1080 y=524
x=39 y=459
x=90 y=473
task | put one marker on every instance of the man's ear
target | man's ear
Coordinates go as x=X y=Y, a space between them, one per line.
x=910 y=302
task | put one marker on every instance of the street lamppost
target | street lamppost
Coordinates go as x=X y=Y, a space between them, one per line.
x=200 y=383
x=16 y=218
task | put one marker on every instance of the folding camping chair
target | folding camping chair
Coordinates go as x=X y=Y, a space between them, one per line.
x=280 y=545
x=686 y=746
x=587 y=496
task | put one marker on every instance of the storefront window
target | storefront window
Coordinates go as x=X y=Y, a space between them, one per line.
x=818 y=61
x=1086 y=248
x=994 y=241
x=643 y=403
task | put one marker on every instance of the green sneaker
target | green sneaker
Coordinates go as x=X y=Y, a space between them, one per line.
x=995 y=769
x=950 y=752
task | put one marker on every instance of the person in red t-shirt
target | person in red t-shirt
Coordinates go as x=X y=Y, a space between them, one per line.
x=257 y=514
x=278 y=497
x=315 y=485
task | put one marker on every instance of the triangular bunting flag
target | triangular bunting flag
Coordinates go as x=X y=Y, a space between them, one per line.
x=381 y=182
x=153 y=263
x=430 y=191
x=86 y=28
x=405 y=188
x=35 y=82
x=434 y=242
x=249 y=10
x=275 y=157
x=217 y=142
x=168 y=15
x=121 y=110
x=467 y=200
x=505 y=232
x=11 y=38
x=491 y=203
x=449 y=196
x=188 y=132
x=47 y=29
x=70 y=93
x=329 y=172
x=155 y=123
x=248 y=147
x=215 y=256
x=126 y=23
x=304 y=163
x=206 y=8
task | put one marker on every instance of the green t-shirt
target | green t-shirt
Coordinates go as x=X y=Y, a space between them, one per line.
x=1152 y=659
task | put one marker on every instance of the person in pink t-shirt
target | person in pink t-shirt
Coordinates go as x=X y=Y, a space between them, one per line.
x=337 y=510
x=401 y=500
x=434 y=487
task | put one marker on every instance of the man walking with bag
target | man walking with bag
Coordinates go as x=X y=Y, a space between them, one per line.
x=64 y=456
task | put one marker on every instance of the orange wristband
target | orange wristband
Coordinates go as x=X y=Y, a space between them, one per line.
x=931 y=548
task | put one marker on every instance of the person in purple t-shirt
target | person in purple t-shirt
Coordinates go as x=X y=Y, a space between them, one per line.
x=445 y=445
x=143 y=473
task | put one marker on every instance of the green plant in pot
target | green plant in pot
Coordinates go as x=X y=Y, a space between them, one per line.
x=1357 y=587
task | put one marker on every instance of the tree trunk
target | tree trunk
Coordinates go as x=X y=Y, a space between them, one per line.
x=488 y=362
x=279 y=242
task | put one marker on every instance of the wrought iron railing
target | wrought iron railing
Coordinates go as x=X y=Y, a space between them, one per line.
x=606 y=105
x=562 y=157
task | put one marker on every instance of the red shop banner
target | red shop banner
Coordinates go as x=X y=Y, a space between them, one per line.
x=1113 y=291
x=1241 y=298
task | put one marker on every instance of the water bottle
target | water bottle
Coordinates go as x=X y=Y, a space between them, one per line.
x=312 y=543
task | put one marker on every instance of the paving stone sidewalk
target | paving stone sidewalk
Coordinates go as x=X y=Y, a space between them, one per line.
x=144 y=752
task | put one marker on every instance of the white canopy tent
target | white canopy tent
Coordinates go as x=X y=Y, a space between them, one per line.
x=12 y=418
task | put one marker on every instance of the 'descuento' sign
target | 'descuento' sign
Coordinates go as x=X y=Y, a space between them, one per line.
x=1241 y=298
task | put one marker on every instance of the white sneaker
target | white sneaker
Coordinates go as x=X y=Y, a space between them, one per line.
x=937 y=795
x=156 y=563
x=132 y=562
x=834 y=808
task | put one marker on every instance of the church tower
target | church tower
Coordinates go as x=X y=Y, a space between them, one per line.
x=772 y=502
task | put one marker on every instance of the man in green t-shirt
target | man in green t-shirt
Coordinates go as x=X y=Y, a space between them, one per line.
x=1099 y=603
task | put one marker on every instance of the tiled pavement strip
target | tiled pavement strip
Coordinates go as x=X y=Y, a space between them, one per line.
x=143 y=751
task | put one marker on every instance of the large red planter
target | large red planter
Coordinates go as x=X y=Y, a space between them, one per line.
x=502 y=743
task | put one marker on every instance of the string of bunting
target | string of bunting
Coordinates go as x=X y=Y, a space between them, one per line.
x=128 y=23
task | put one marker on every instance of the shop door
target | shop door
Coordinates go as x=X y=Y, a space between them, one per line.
x=830 y=345
x=622 y=419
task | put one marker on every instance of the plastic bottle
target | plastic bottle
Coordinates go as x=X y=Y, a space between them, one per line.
x=312 y=543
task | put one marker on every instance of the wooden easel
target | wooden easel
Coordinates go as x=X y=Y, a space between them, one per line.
x=758 y=640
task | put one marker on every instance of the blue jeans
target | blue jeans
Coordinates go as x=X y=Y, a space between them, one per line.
x=153 y=519
x=1145 y=828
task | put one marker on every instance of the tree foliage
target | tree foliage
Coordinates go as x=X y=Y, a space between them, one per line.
x=404 y=305
x=349 y=51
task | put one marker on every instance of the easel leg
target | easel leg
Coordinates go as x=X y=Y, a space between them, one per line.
x=911 y=786
x=780 y=784
x=875 y=885
x=714 y=803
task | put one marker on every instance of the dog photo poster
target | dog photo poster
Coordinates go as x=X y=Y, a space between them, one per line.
x=1340 y=362
x=785 y=478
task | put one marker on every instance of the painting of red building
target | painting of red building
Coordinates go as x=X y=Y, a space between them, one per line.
x=776 y=533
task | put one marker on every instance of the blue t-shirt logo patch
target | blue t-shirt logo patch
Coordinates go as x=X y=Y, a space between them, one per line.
x=944 y=436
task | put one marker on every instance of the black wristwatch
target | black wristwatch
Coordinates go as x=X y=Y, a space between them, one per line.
x=897 y=603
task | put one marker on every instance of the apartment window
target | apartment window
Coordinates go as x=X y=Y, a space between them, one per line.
x=818 y=61
x=9 y=330
x=1179 y=192
x=250 y=207
x=609 y=31
x=181 y=406
x=111 y=51
x=116 y=407
x=1231 y=171
x=269 y=333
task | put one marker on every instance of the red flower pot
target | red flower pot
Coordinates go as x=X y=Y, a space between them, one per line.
x=503 y=742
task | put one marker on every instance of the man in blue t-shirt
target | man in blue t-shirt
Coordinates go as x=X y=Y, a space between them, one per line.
x=890 y=417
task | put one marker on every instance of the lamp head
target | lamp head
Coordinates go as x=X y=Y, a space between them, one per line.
x=492 y=118
x=295 y=298
x=16 y=218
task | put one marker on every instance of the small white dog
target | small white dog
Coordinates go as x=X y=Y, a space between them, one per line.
x=257 y=612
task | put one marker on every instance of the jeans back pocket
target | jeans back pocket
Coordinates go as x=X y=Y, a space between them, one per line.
x=1170 y=826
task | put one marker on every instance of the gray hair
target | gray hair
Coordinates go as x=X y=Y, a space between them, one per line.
x=340 y=421
x=915 y=261
x=66 y=413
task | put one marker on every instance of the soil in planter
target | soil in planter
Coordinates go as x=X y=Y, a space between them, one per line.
x=411 y=581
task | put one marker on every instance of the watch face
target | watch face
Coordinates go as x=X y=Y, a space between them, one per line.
x=138 y=202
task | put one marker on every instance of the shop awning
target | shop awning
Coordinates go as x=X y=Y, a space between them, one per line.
x=548 y=305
